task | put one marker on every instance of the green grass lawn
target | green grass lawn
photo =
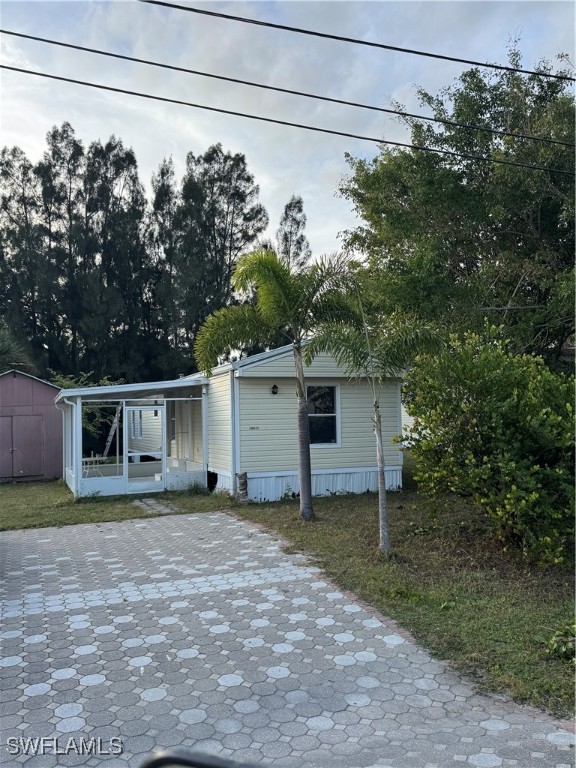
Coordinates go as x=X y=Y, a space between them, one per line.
x=37 y=505
x=449 y=583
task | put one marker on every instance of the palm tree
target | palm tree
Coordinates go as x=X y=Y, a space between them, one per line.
x=296 y=304
x=12 y=354
x=378 y=349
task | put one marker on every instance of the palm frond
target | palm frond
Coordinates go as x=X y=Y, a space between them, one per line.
x=276 y=293
x=376 y=351
x=323 y=288
x=344 y=343
x=229 y=328
x=395 y=346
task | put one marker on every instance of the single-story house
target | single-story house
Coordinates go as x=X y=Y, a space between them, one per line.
x=30 y=428
x=234 y=431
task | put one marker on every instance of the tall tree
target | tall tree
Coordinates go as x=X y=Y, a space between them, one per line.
x=76 y=282
x=12 y=354
x=119 y=263
x=92 y=277
x=218 y=219
x=162 y=241
x=63 y=224
x=460 y=239
x=21 y=267
x=292 y=244
x=294 y=303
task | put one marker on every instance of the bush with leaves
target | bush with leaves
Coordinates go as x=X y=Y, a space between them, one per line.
x=499 y=427
x=562 y=642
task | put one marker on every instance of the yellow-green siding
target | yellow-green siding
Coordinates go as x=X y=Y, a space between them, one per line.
x=283 y=365
x=196 y=407
x=219 y=423
x=268 y=431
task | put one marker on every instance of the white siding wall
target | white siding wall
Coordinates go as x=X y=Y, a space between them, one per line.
x=268 y=434
x=219 y=423
x=151 y=431
x=196 y=406
x=407 y=422
x=322 y=365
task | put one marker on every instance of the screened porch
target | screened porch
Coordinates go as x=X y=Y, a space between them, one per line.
x=135 y=438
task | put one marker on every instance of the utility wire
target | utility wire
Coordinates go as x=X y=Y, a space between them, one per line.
x=356 y=41
x=284 y=90
x=282 y=122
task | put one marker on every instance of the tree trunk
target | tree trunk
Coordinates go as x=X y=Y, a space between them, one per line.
x=384 y=546
x=305 y=466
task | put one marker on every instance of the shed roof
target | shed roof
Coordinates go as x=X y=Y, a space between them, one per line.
x=14 y=371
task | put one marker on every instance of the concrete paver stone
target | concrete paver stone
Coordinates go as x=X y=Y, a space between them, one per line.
x=199 y=631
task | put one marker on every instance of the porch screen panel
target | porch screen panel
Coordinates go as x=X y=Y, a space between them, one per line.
x=143 y=430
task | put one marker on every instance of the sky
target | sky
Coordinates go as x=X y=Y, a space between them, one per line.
x=284 y=161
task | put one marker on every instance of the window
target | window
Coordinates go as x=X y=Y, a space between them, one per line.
x=136 y=425
x=322 y=415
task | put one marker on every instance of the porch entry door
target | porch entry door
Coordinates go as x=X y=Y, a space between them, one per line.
x=144 y=448
x=21 y=446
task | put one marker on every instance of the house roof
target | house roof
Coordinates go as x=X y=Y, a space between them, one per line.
x=254 y=360
x=143 y=390
x=148 y=389
x=28 y=375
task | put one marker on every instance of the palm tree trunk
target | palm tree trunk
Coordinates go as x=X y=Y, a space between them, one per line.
x=305 y=466
x=384 y=546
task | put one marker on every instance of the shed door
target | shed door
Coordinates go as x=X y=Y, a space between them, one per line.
x=27 y=446
x=5 y=446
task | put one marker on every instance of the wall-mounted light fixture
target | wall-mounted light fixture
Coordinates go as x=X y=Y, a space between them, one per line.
x=274 y=389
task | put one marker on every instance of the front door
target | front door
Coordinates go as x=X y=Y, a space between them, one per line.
x=144 y=454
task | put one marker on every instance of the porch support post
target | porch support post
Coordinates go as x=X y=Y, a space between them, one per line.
x=205 y=428
x=77 y=443
x=125 y=438
x=233 y=432
x=188 y=416
x=164 y=458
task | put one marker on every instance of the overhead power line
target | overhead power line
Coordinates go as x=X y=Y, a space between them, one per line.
x=356 y=41
x=287 y=123
x=277 y=89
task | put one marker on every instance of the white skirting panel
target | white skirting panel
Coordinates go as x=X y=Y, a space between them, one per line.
x=224 y=482
x=271 y=487
x=102 y=486
x=181 y=481
x=70 y=478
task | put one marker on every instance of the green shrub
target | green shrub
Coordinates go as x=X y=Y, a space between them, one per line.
x=562 y=642
x=498 y=427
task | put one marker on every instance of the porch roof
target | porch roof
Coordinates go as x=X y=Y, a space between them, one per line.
x=132 y=391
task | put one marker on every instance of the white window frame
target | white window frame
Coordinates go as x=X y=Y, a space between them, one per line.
x=136 y=425
x=337 y=413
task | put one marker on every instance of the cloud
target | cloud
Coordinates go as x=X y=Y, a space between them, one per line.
x=284 y=161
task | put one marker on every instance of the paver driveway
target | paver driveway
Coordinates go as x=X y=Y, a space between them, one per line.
x=199 y=631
